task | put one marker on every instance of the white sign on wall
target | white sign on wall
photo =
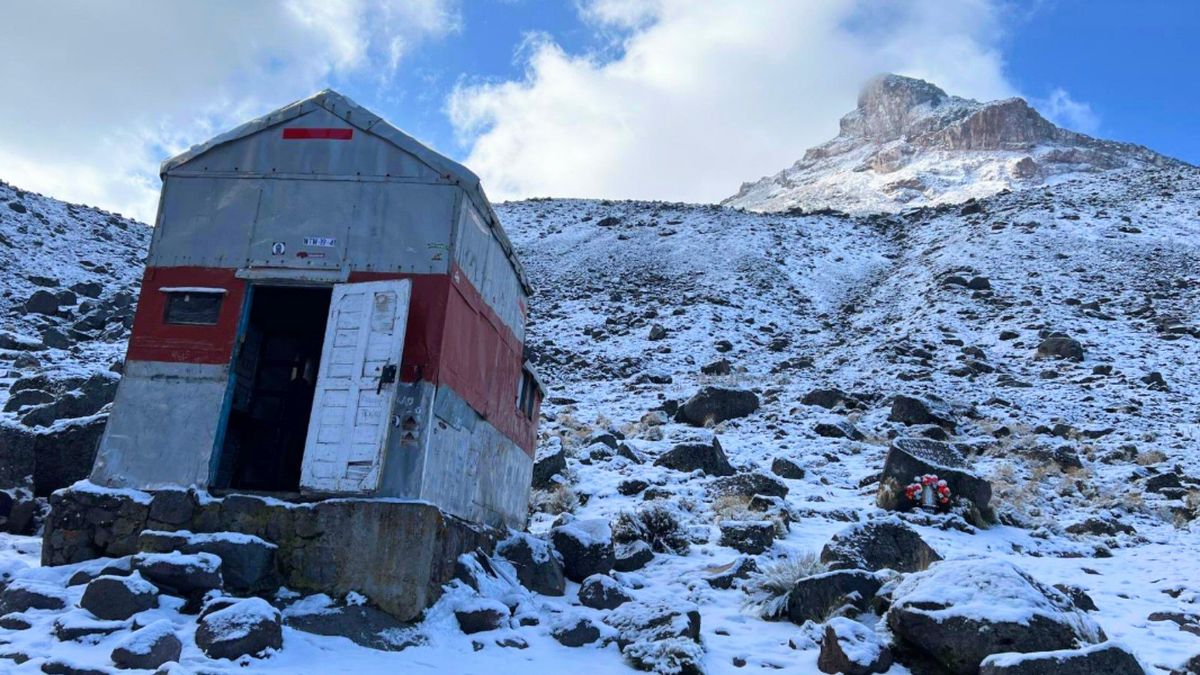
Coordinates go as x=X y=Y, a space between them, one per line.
x=321 y=242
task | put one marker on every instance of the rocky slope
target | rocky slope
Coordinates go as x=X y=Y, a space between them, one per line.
x=910 y=144
x=1048 y=334
x=70 y=281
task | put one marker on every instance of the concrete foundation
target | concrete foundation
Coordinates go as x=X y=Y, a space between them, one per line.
x=398 y=554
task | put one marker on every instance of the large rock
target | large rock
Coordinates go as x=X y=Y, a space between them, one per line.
x=1060 y=347
x=484 y=616
x=118 y=598
x=179 y=573
x=910 y=458
x=838 y=429
x=538 y=565
x=22 y=595
x=851 y=648
x=55 y=457
x=910 y=411
x=1101 y=659
x=885 y=543
x=713 y=405
x=576 y=632
x=816 y=597
x=601 y=591
x=829 y=398
x=551 y=462
x=42 y=302
x=586 y=547
x=149 y=647
x=959 y=612
x=747 y=536
x=706 y=457
x=247 y=562
x=747 y=485
x=246 y=628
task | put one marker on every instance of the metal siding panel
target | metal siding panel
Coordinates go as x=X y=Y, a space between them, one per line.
x=163 y=426
x=269 y=152
x=205 y=222
x=403 y=227
x=479 y=475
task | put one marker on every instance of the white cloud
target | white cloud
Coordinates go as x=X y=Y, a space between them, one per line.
x=1065 y=111
x=707 y=93
x=99 y=93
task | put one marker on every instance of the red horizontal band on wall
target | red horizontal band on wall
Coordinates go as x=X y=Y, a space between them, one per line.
x=301 y=133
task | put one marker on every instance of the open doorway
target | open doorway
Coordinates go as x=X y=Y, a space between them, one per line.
x=275 y=375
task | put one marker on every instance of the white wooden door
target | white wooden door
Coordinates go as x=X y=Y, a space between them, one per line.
x=348 y=427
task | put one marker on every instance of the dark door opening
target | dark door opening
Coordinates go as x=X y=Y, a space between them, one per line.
x=275 y=376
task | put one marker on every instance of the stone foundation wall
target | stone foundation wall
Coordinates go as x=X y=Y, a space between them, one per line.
x=398 y=554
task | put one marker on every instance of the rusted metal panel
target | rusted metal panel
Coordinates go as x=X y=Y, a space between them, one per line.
x=163 y=425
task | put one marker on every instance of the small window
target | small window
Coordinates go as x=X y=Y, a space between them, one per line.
x=527 y=394
x=193 y=307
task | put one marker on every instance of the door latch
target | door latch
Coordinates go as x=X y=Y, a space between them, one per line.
x=387 y=375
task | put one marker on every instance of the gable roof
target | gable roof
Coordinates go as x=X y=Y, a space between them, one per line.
x=361 y=118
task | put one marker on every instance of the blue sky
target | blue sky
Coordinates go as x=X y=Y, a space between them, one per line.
x=677 y=100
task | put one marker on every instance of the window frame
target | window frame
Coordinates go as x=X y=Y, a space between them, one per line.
x=173 y=295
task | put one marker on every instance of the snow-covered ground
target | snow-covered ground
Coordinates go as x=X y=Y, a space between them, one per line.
x=797 y=303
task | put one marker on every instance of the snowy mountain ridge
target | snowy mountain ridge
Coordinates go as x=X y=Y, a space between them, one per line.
x=908 y=144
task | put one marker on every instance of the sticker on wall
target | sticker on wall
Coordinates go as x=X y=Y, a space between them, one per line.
x=278 y=248
x=321 y=242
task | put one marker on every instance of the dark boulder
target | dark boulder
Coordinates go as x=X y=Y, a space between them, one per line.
x=786 y=468
x=816 y=597
x=718 y=367
x=959 y=629
x=538 y=566
x=879 y=544
x=178 y=573
x=910 y=458
x=725 y=576
x=20 y=596
x=748 y=536
x=586 y=548
x=706 y=457
x=1102 y=659
x=851 y=648
x=577 y=633
x=118 y=598
x=829 y=398
x=551 y=462
x=910 y=411
x=632 y=556
x=149 y=647
x=838 y=429
x=601 y=591
x=489 y=616
x=246 y=628
x=747 y=485
x=713 y=405
x=1060 y=347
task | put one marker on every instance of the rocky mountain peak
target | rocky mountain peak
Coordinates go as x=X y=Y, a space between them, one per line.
x=887 y=105
x=909 y=143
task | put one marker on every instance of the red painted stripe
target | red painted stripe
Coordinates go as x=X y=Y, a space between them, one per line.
x=332 y=134
x=453 y=339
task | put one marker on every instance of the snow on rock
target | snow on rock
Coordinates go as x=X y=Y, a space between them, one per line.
x=246 y=627
x=851 y=648
x=958 y=612
x=148 y=647
x=1107 y=657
